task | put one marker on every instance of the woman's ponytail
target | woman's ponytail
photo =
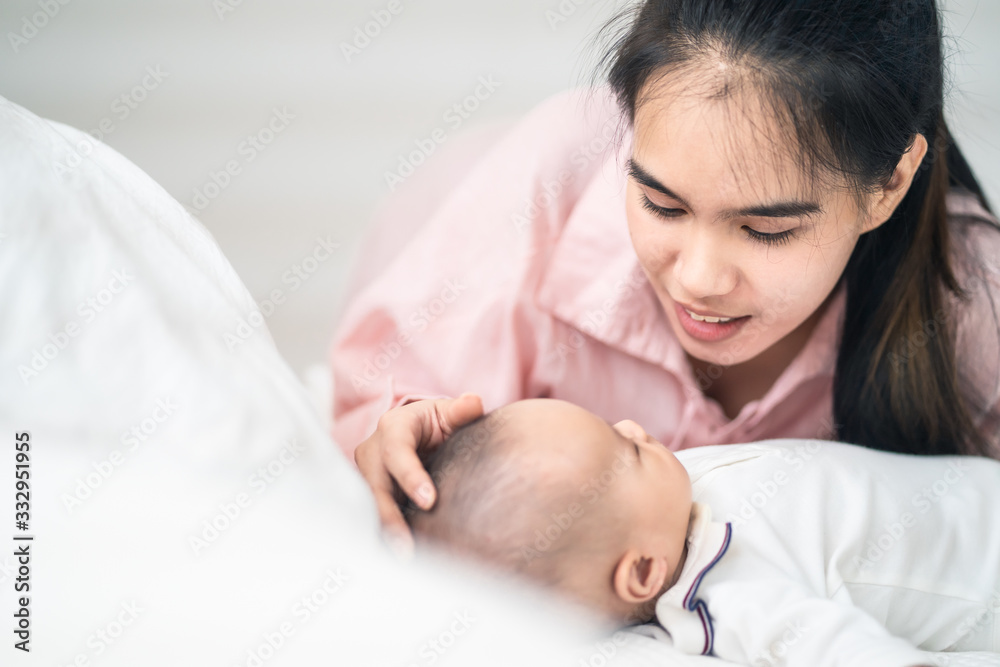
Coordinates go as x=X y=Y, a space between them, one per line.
x=896 y=385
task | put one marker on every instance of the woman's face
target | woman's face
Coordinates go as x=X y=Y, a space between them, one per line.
x=726 y=224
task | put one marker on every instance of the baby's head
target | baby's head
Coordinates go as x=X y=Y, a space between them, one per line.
x=553 y=492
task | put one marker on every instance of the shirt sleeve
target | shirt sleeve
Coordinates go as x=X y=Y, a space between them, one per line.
x=778 y=622
x=454 y=310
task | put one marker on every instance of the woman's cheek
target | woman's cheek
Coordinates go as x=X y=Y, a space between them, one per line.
x=652 y=256
x=650 y=244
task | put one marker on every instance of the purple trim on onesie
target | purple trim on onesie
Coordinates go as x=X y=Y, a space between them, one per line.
x=699 y=606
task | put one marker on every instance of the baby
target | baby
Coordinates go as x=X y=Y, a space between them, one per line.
x=831 y=553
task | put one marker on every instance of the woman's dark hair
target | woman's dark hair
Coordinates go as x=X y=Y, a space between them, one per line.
x=854 y=82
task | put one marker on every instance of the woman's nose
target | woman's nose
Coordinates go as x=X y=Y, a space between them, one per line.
x=701 y=270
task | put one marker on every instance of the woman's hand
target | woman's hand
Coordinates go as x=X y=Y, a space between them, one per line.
x=390 y=453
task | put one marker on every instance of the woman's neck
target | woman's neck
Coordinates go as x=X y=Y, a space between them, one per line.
x=750 y=380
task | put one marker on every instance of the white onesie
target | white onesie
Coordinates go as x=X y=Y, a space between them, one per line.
x=805 y=552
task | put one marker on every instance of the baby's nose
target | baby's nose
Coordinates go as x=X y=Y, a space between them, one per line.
x=630 y=429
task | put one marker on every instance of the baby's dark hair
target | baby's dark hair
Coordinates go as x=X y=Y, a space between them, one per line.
x=494 y=506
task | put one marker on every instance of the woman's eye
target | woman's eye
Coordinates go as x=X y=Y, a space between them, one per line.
x=779 y=238
x=659 y=210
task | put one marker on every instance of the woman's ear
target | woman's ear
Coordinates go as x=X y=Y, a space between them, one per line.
x=889 y=197
x=639 y=578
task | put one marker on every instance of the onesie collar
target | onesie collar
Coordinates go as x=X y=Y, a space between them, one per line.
x=681 y=613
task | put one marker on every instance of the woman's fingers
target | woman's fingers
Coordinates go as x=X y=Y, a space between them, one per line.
x=390 y=453
x=432 y=421
x=401 y=462
x=457 y=412
x=369 y=461
x=394 y=528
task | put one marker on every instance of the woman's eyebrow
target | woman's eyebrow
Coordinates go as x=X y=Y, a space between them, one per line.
x=784 y=209
x=644 y=177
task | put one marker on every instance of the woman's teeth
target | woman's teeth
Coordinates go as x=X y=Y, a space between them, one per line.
x=713 y=320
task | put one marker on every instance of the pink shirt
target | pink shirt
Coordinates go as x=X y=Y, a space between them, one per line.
x=520 y=280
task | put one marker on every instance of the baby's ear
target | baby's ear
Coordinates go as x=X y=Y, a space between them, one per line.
x=638 y=578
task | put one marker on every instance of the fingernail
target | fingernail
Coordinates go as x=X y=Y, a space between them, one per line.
x=424 y=494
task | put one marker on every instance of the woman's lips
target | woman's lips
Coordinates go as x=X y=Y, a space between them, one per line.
x=708 y=331
x=702 y=313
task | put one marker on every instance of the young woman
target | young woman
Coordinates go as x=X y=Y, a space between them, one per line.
x=783 y=241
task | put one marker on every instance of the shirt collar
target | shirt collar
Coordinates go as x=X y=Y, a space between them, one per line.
x=679 y=610
x=593 y=280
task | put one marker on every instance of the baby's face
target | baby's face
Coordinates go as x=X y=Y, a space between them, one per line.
x=648 y=489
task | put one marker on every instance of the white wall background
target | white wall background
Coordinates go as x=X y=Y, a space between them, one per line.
x=229 y=63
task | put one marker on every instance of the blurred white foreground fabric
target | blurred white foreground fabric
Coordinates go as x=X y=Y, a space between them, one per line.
x=187 y=505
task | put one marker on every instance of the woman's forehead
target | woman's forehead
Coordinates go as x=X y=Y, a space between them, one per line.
x=737 y=143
